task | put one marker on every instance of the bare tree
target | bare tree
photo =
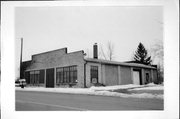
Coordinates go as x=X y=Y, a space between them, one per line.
x=102 y=54
x=157 y=52
x=108 y=53
x=110 y=50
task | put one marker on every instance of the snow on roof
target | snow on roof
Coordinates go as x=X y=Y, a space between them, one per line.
x=118 y=63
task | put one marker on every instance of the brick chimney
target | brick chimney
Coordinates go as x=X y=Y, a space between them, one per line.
x=95 y=51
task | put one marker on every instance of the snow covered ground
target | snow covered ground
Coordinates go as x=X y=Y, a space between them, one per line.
x=126 y=91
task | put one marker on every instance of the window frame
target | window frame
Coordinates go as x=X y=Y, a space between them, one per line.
x=68 y=76
x=94 y=73
x=35 y=77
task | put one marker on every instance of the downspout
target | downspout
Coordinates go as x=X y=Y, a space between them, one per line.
x=85 y=74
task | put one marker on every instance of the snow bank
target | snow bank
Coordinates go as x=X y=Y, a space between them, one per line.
x=56 y=90
x=132 y=95
x=150 y=88
x=129 y=86
x=153 y=87
x=103 y=91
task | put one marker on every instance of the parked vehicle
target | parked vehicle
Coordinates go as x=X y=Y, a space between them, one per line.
x=20 y=83
x=17 y=83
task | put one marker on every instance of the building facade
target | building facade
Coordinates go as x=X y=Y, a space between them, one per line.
x=61 y=69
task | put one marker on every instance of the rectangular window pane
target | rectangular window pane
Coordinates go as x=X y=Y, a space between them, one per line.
x=36 y=77
x=66 y=74
x=74 y=74
x=71 y=74
x=37 y=72
x=32 y=77
x=59 y=75
x=94 y=74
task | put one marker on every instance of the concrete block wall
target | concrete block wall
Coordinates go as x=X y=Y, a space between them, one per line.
x=142 y=76
x=103 y=76
x=60 y=58
x=40 y=85
x=155 y=78
x=111 y=75
x=117 y=74
x=46 y=60
x=126 y=75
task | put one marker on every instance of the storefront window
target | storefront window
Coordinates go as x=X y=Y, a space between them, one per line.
x=66 y=75
x=59 y=75
x=34 y=77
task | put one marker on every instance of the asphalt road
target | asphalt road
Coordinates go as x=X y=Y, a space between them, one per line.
x=46 y=101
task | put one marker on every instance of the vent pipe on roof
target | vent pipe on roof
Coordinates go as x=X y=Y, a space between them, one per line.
x=95 y=51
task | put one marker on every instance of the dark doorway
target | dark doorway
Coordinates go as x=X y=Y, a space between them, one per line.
x=41 y=77
x=147 y=78
x=50 y=78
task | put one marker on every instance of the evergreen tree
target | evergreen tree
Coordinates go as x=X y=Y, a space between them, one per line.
x=141 y=55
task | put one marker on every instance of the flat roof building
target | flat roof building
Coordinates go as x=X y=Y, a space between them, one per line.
x=58 y=68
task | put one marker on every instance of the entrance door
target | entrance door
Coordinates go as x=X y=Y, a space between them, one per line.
x=147 y=78
x=136 y=77
x=50 y=78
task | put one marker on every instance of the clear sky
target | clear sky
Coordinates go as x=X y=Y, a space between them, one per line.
x=79 y=27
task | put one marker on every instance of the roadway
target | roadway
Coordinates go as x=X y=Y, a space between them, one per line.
x=48 y=101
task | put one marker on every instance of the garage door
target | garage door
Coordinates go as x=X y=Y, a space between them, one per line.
x=136 y=77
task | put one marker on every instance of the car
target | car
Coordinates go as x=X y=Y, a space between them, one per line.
x=17 y=83
x=20 y=83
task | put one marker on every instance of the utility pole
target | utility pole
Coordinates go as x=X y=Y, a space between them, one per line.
x=21 y=59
